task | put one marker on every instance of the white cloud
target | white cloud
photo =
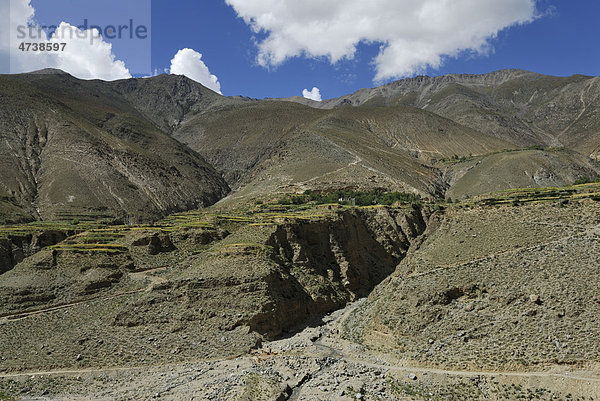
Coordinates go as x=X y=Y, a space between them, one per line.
x=413 y=34
x=86 y=55
x=85 y=58
x=189 y=62
x=314 y=94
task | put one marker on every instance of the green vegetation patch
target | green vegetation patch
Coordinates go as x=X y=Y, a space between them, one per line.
x=455 y=159
x=531 y=195
x=41 y=226
x=378 y=196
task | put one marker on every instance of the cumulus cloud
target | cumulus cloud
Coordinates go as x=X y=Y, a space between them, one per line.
x=86 y=55
x=413 y=34
x=314 y=94
x=189 y=62
x=85 y=58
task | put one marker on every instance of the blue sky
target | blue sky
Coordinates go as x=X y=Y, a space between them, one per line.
x=563 y=40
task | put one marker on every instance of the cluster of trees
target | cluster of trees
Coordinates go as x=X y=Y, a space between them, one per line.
x=378 y=196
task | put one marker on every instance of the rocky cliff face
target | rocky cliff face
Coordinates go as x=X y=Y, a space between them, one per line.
x=15 y=248
x=334 y=262
x=354 y=253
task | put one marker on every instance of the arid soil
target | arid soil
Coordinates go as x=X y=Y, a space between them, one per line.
x=480 y=302
x=314 y=364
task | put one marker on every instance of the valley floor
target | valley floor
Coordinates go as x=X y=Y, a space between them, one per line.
x=313 y=364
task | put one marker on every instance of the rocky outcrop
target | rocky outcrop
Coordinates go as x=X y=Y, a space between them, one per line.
x=15 y=248
x=155 y=243
x=306 y=269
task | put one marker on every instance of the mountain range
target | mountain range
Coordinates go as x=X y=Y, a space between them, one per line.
x=432 y=238
x=139 y=149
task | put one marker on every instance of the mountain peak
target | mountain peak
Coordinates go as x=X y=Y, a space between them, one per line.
x=49 y=71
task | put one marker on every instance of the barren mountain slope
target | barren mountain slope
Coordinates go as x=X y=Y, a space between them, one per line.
x=484 y=302
x=74 y=148
x=265 y=147
x=522 y=107
x=495 y=287
x=528 y=168
x=167 y=99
